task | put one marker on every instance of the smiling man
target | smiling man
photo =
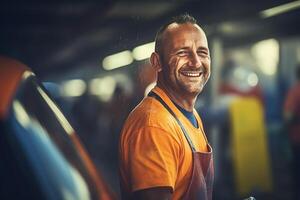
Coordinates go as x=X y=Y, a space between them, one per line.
x=164 y=153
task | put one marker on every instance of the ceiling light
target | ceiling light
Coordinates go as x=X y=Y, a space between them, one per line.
x=73 y=88
x=143 y=51
x=103 y=87
x=280 y=9
x=266 y=54
x=117 y=60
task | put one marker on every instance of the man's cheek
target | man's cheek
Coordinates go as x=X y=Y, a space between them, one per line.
x=174 y=62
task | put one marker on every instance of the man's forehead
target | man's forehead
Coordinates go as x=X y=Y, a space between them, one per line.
x=178 y=32
x=174 y=30
x=174 y=27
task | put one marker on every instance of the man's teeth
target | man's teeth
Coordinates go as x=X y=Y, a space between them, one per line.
x=192 y=74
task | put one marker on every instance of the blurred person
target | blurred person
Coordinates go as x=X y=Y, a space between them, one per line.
x=291 y=114
x=164 y=153
x=85 y=110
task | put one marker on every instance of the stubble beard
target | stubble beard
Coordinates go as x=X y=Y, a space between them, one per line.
x=190 y=86
x=191 y=89
x=178 y=85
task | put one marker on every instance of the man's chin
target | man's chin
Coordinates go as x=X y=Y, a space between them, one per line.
x=194 y=90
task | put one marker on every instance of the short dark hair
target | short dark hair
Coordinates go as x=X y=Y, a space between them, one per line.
x=180 y=19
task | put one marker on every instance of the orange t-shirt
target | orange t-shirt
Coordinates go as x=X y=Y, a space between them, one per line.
x=153 y=149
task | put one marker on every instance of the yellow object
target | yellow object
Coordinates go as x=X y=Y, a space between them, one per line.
x=251 y=159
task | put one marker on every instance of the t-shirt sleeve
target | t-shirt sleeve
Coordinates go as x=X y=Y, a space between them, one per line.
x=153 y=159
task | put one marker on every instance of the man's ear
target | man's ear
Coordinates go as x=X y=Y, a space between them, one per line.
x=155 y=62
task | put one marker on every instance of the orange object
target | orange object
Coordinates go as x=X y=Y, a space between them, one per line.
x=11 y=72
x=153 y=150
x=201 y=181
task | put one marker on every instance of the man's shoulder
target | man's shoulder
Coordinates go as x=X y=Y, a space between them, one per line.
x=150 y=119
x=150 y=112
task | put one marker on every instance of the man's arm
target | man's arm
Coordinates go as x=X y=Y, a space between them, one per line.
x=152 y=164
x=157 y=193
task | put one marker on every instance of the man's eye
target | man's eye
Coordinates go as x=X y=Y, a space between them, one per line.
x=202 y=53
x=182 y=53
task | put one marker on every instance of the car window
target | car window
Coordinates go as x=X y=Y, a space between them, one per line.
x=43 y=136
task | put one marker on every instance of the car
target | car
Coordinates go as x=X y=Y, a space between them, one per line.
x=41 y=157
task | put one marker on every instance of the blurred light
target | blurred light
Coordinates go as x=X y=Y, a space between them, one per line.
x=103 y=87
x=117 y=60
x=280 y=9
x=21 y=114
x=266 y=53
x=143 y=51
x=58 y=114
x=79 y=185
x=252 y=79
x=26 y=74
x=124 y=82
x=73 y=88
x=240 y=78
x=227 y=28
x=240 y=73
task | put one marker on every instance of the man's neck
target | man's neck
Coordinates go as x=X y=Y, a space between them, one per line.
x=186 y=101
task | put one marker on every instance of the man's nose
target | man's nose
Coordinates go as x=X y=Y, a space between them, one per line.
x=195 y=60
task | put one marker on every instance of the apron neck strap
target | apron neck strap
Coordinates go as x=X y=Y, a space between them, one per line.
x=157 y=97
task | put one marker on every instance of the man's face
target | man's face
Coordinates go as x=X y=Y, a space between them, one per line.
x=185 y=59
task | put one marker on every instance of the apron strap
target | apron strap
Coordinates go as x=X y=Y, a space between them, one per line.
x=157 y=97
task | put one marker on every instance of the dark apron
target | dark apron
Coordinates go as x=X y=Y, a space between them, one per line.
x=201 y=184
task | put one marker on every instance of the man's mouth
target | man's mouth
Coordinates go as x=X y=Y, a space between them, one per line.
x=192 y=73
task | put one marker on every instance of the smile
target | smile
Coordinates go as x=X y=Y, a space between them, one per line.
x=191 y=73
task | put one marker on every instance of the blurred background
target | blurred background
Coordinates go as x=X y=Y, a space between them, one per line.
x=92 y=56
